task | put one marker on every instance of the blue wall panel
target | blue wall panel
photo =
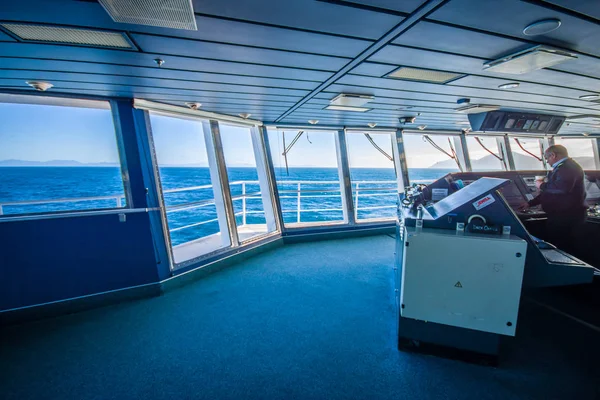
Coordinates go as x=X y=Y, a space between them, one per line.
x=54 y=259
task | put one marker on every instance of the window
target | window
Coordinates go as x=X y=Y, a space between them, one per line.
x=372 y=175
x=581 y=150
x=58 y=155
x=249 y=187
x=425 y=162
x=196 y=225
x=309 y=184
x=527 y=153
x=479 y=152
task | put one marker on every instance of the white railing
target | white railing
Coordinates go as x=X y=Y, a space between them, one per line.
x=359 y=192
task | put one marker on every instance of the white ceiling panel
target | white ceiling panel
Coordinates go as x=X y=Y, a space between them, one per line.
x=399 y=55
x=510 y=17
x=304 y=14
x=225 y=52
x=586 y=7
x=434 y=36
x=103 y=60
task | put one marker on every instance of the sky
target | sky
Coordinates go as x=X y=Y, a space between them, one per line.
x=42 y=133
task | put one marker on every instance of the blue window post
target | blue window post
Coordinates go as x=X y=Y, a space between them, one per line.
x=141 y=176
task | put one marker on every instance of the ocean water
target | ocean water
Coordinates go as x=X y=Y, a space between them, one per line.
x=191 y=213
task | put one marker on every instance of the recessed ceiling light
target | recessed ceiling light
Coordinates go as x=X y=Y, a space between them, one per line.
x=585 y=134
x=510 y=85
x=194 y=106
x=245 y=115
x=422 y=127
x=542 y=27
x=313 y=121
x=424 y=75
x=39 y=85
x=590 y=97
x=372 y=124
x=59 y=34
x=476 y=108
x=347 y=108
x=528 y=60
x=159 y=62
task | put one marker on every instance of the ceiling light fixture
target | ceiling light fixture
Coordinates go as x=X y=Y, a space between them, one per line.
x=424 y=75
x=542 y=27
x=159 y=62
x=590 y=97
x=528 y=60
x=372 y=124
x=351 y=100
x=422 y=127
x=477 y=108
x=510 y=85
x=245 y=115
x=347 y=108
x=194 y=106
x=313 y=121
x=585 y=134
x=39 y=85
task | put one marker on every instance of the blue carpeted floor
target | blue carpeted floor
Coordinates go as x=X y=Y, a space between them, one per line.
x=307 y=321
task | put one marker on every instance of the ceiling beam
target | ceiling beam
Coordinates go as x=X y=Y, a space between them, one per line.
x=420 y=13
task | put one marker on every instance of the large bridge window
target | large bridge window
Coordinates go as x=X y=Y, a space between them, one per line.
x=581 y=150
x=58 y=155
x=484 y=153
x=527 y=153
x=372 y=175
x=247 y=181
x=429 y=157
x=307 y=176
x=196 y=222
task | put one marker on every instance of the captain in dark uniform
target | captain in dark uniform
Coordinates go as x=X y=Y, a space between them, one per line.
x=562 y=197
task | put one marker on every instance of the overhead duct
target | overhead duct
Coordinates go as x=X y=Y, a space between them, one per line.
x=174 y=14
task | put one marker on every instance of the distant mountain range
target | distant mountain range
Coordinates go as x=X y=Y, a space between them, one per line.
x=524 y=162
x=53 y=163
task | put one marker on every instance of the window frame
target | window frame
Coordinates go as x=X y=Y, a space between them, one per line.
x=74 y=102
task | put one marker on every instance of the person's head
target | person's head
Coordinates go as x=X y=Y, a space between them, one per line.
x=555 y=153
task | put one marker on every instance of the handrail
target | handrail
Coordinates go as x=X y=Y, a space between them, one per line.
x=299 y=193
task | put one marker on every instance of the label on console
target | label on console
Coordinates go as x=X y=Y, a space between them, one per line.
x=484 y=202
x=529 y=196
x=438 y=194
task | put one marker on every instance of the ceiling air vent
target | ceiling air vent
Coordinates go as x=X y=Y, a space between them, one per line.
x=424 y=75
x=57 y=34
x=175 y=14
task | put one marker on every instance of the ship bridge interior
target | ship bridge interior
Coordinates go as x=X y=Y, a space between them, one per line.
x=201 y=198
